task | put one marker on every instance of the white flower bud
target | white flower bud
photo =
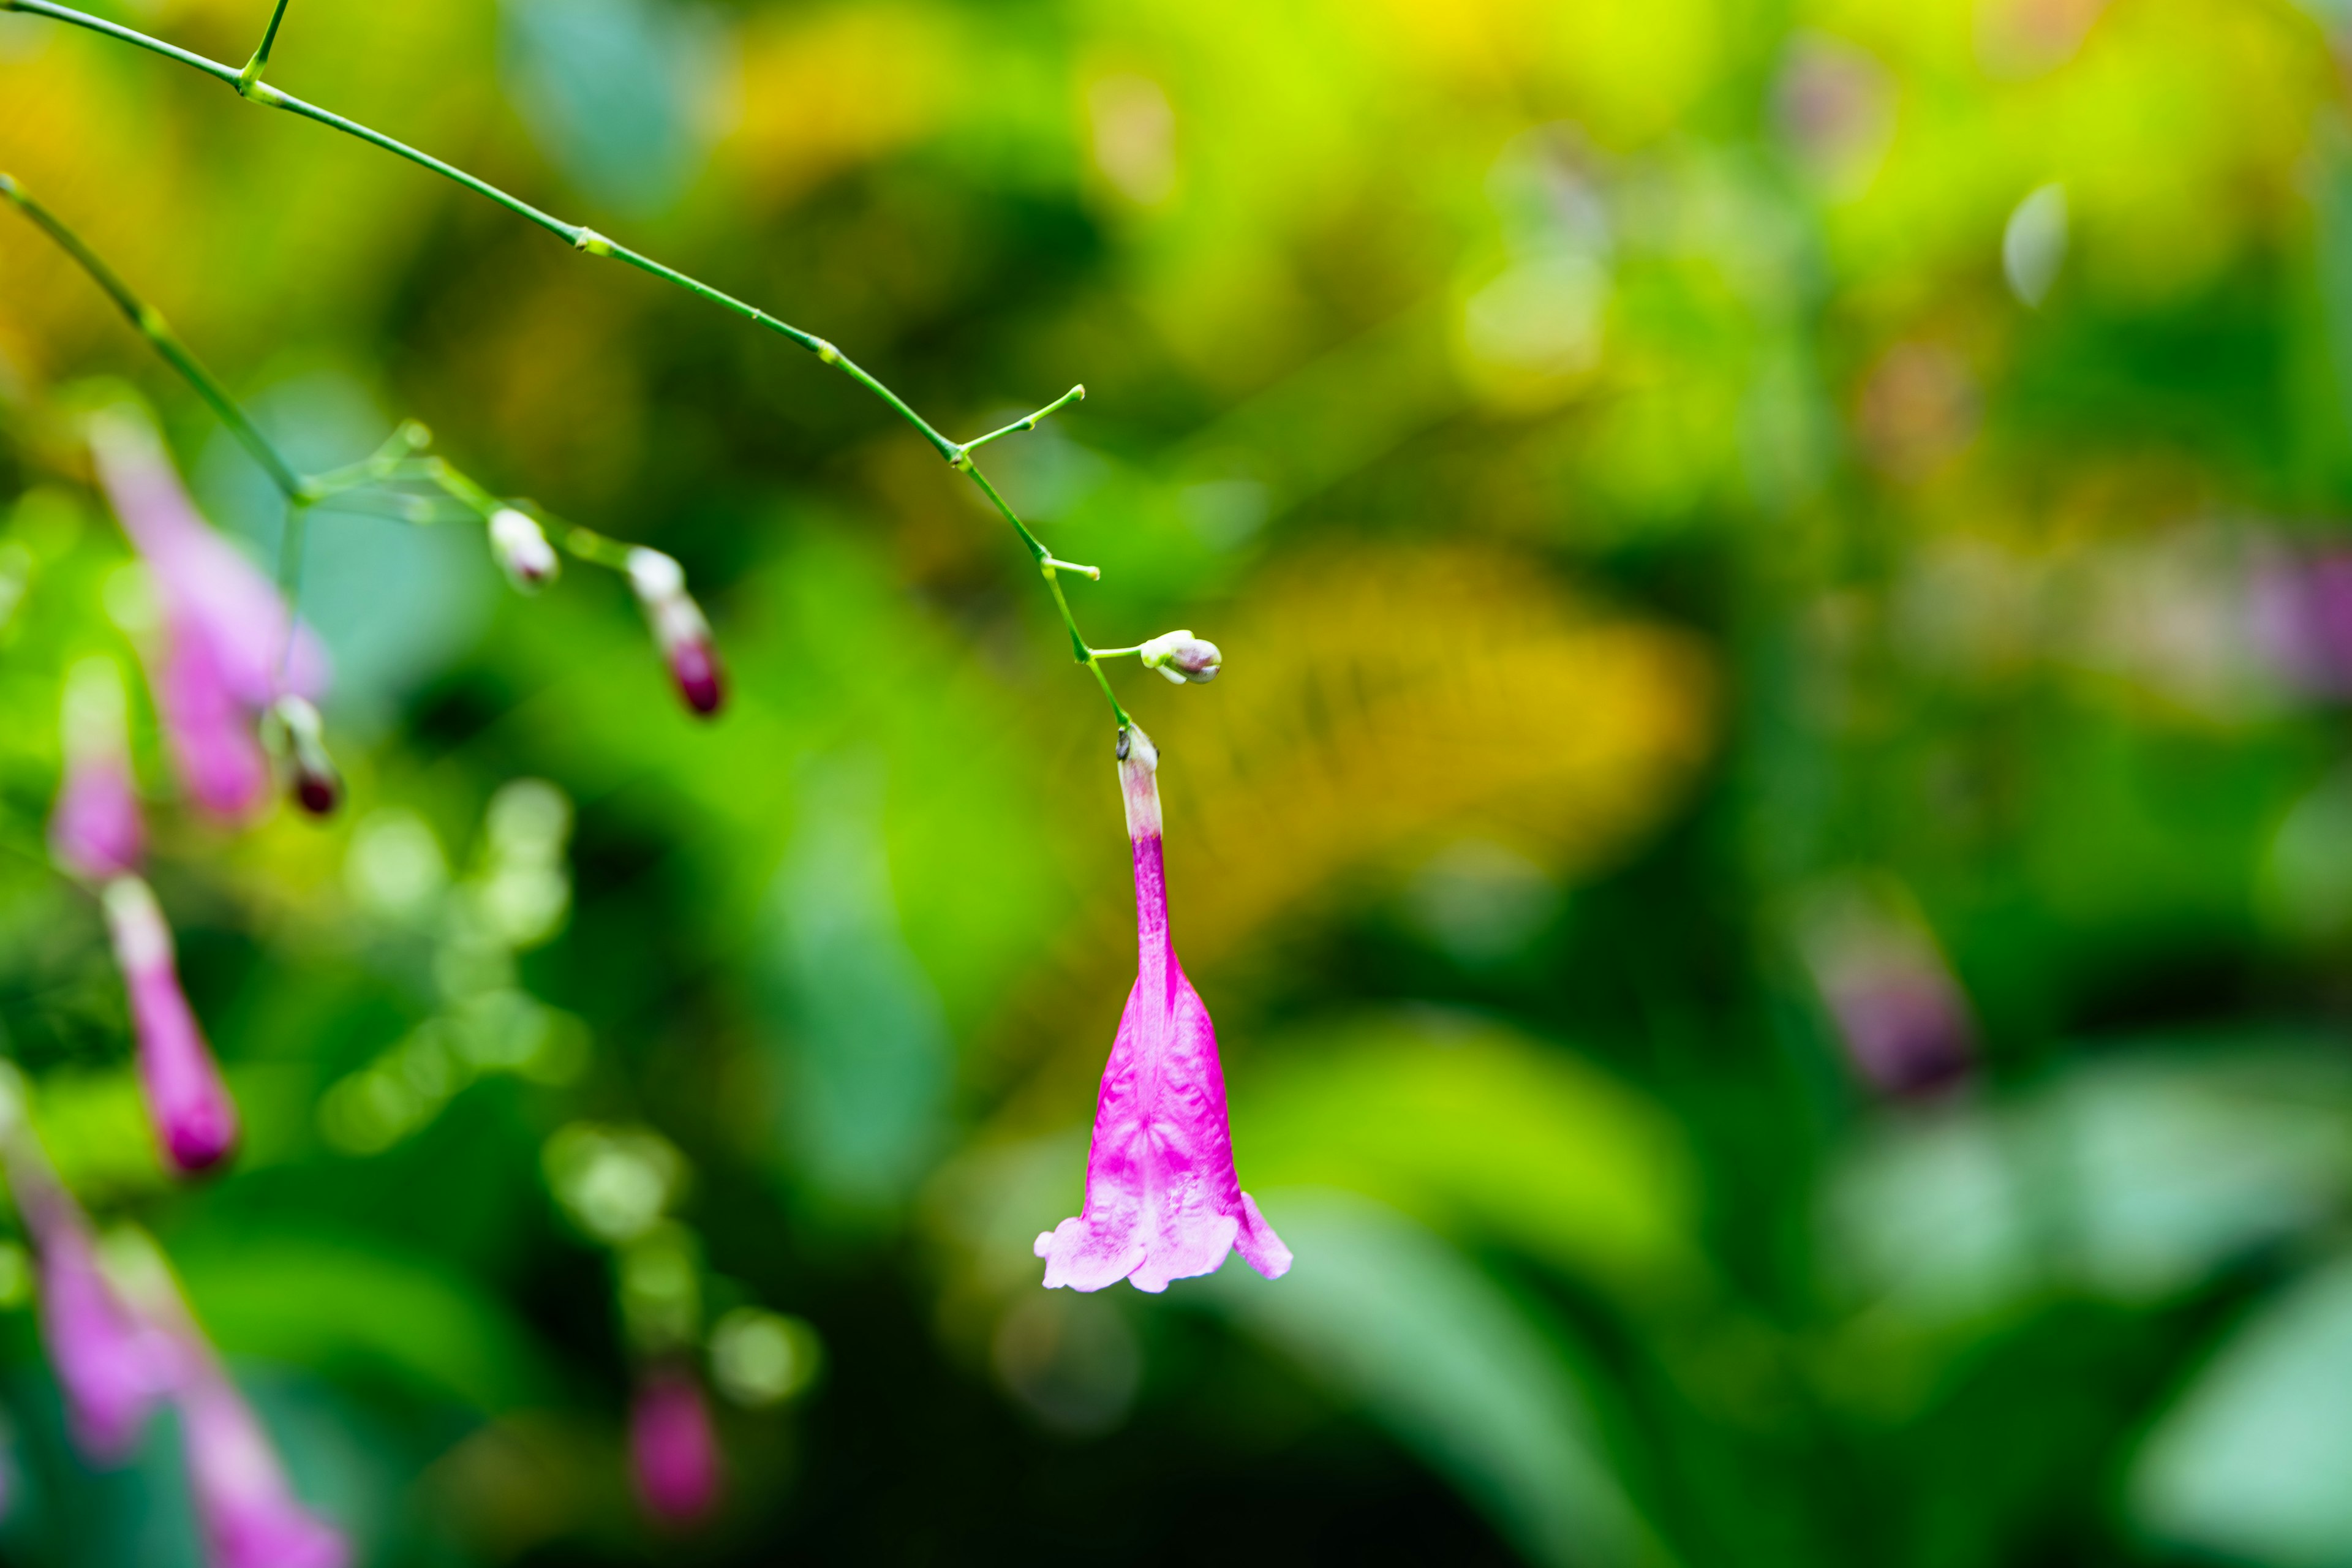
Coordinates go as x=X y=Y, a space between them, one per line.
x=1181 y=657
x=522 y=549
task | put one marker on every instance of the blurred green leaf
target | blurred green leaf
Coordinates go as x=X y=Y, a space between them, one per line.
x=2251 y=1459
x=1483 y=1132
x=1388 y=1316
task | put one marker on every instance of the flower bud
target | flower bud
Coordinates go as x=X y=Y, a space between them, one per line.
x=673 y=1452
x=111 y=1367
x=1181 y=657
x=678 y=628
x=296 y=731
x=523 y=552
x=193 y=1117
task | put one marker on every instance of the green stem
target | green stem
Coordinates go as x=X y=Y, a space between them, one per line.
x=158 y=331
x=1076 y=394
x=579 y=238
x=260 y=61
x=289 y=581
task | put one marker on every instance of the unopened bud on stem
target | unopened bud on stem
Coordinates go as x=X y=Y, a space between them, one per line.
x=523 y=552
x=295 y=730
x=1181 y=657
x=678 y=628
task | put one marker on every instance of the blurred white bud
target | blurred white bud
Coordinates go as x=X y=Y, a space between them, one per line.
x=523 y=552
x=318 y=787
x=678 y=628
x=1181 y=657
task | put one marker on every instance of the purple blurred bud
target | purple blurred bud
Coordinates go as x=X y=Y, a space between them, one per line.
x=672 y=1450
x=195 y=1119
x=522 y=549
x=95 y=830
x=1899 y=1013
x=678 y=628
x=111 y=1366
x=318 y=787
x=250 y=1516
x=1181 y=657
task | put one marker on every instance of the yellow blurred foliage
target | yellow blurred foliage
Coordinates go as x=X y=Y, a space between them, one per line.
x=1377 y=702
x=831 y=91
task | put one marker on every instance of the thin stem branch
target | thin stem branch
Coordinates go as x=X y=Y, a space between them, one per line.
x=260 y=61
x=156 y=331
x=1076 y=394
x=581 y=237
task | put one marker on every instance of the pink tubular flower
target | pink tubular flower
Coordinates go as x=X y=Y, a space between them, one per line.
x=193 y=1117
x=225 y=630
x=94 y=830
x=249 y=1514
x=678 y=628
x=111 y=1366
x=673 y=1452
x=1162 y=1200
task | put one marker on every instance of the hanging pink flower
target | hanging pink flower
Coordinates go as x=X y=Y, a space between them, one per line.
x=195 y=1119
x=1162 y=1200
x=111 y=1366
x=248 y=1512
x=672 y=1451
x=222 y=655
x=95 y=830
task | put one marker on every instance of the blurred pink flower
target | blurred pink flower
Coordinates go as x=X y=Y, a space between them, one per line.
x=223 y=627
x=248 y=1512
x=195 y=1119
x=1162 y=1200
x=110 y=1364
x=672 y=1451
x=1900 y=1015
x=95 y=830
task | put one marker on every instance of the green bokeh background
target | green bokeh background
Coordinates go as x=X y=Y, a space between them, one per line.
x=1698 y=499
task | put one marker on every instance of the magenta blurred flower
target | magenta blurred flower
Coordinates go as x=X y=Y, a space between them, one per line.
x=111 y=1366
x=2302 y=613
x=193 y=1117
x=1905 y=1027
x=673 y=1449
x=95 y=830
x=1162 y=1200
x=224 y=633
x=248 y=1512
x=678 y=628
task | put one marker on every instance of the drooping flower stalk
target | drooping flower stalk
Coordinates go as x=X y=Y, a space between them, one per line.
x=673 y=1448
x=1162 y=1199
x=223 y=652
x=189 y=1105
x=112 y=1365
x=95 y=830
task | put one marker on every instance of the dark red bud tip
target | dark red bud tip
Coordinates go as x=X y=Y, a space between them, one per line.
x=695 y=667
x=318 y=793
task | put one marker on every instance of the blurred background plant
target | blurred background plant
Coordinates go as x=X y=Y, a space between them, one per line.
x=1774 y=857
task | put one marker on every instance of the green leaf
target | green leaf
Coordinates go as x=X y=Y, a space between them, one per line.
x=1390 y=1318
